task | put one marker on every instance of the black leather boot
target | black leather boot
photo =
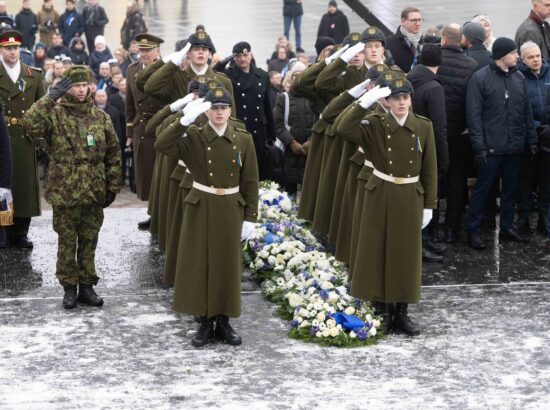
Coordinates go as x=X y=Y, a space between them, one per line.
x=513 y=236
x=21 y=241
x=69 y=300
x=144 y=225
x=224 y=331
x=403 y=323
x=474 y=240
x=385 y=311
x=429 y=256
x=87 y=295
x=436 y=247
x=205 y=332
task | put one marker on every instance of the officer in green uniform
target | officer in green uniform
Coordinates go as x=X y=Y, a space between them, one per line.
x=140 y=107
x=83 y=178
x=222 y=162
x=20 y=86
x=399 y=200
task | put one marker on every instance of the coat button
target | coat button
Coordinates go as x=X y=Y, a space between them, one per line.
x=245 y=118
x=244 y=106
x=211 y=174
x=242 y=94
x=233 y=161
x=389 y=136
x=209 y=161
x=260 y=84
x=391 y=162
x=234 y=147
x=209 y=149
x=259 y=96
x=412 y=149
x=410 y=162
x=231 y=174
x=238 y=83
x=389 y=149
x=408 y=175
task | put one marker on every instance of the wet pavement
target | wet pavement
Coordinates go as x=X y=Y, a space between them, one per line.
x=484 y=317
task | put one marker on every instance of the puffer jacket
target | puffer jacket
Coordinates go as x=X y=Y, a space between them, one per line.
x=291 y=8
x=537 y=87
x=454 y=72
x=499 y=114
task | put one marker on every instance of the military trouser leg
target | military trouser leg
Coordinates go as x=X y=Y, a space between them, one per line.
x=78 y=229
x=20 y=226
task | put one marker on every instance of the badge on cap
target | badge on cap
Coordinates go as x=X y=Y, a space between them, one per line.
x=371 y=30
x=354 y=36
x=380 y=68
x=212 y=84
x=201 y=79
x=11 y=39
x=218 y=93
x=201 y=35
x=388 y=76
x=399 y=83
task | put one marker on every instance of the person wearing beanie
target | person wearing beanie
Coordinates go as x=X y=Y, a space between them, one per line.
x=78 y=185
x=473 y=36
x=500 y=126
x=324 y=45
x=39 y=54
x=334 y=24
x=95 y=19
x=100 y=54
x=398 y=201
x=428 y=100
x=454 y=73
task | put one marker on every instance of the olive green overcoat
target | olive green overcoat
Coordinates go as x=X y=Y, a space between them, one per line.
x=388 y=264
x=208 y=279
x=17 y=98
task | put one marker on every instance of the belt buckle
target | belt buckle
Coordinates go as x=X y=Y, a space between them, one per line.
x=220 y=191
x=398 y=180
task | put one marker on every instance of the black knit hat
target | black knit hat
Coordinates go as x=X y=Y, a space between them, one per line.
x=431 y=55
x=322 y=43
x=503 y=46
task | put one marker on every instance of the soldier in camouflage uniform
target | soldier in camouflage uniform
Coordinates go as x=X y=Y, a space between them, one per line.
x=83 y=178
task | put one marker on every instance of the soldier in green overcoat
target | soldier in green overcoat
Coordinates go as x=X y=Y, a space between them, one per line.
x=20 y=86
x=222 y=161
x=83 y=178
x=140 y=107
x=399 y=200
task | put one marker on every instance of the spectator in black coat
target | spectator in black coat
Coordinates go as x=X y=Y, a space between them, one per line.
x=472 y=39
x=39 y=54
x=279 y=64
x=26 y=23
x=453 y=74
x=292 y=13
x=334 y=24
x=428 y=100
x=133 y=25
x=78 y=54
x=500 y=124
x=70 y=24
x=58 y=48
x=276 y=87
x=119 y=99
x=403 y=45
x=95 y=20
x=100 y=54
x=5 y=168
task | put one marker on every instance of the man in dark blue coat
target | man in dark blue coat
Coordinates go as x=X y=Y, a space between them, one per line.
x=500 y=123
x=536 y=169
x=251 y=90
x=70 y=24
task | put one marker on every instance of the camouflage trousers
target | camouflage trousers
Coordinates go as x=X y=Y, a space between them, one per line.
x=77 y=229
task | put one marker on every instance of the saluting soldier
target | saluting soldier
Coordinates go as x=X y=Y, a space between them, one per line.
x=20 y=86
x=83 y=178
x=399 y=200
x=140 y=107
x=251 y=88
x=222 y=161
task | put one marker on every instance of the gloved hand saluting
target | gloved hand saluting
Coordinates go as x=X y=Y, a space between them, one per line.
x=371 y=96
x=194 y=112
x=56 y=91
x=351 y=52
x=177 y=56
x=359 y=89
x=426 y=217
x=336 y=54
x=247 y=230
x=182 y=102
x=192 y=104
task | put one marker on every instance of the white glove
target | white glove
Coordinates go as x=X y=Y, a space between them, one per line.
x=177 y=56
x=336 y=54
x=194 y=112
x=182 y=102
x=371 y=96
x=192 y=104
x=426 y=217
x=247 y=230
x=352 y=52
x=5 y=195
x=359 y=89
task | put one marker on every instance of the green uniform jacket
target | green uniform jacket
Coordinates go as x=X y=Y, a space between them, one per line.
x=338 y=76
x=169 y=83
x=388 y=263
x=304 y=86
x=17 y=99
x=208 y=281
x=140 y=107
x=329 y=166
x=82 y=147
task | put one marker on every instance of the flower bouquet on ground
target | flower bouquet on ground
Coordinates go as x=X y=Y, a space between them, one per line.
x=309 y=286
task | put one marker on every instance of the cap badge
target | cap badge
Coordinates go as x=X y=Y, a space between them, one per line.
x=218 y=93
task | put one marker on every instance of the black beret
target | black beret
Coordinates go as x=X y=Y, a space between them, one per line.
x=241 y=47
